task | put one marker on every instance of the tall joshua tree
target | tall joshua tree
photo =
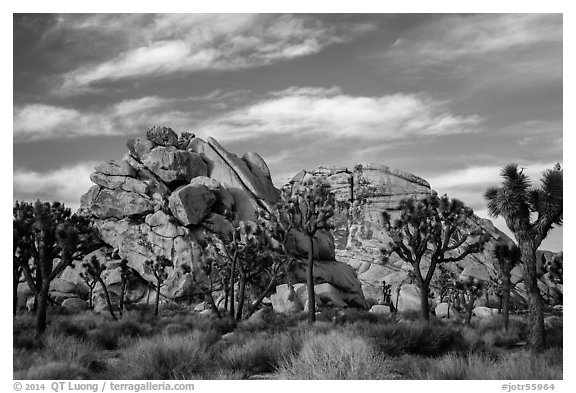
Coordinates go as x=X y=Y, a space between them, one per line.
x=49 y=238
x=94 y=269
x=308 y=207
x=436 y=227
x=507 y=257
x=530 y=213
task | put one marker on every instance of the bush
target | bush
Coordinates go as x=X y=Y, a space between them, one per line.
x=186 y=356
x=509 y=366
x=56 y=371
x=335 y=355
x=418 y=338
x=260 y=354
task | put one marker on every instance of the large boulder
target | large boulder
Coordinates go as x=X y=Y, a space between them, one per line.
x=116 y=168
x=297 y=244
x=444 y=310
x=224 y=199
x=408 y=299
x=191 y=203
x=329 y=295
x=285 y=300
x=485 y=312
x=105 y=203
x=174 y=166
x=380 y=309
x=162 y=136
x=75 y=305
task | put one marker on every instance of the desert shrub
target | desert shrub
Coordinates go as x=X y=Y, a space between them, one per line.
x=417 y=338
x=509 y=366
x=70 y=328
x=335 y=355
x=186 y=356
x=267 y=320
x=56 y=371
x=62 y=348
x=356 y=315
x=260 y=354
x=554 y=336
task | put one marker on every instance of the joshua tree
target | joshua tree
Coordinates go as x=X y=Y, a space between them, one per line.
x=507 y=257
x=307 y=207
x=94 y=269
x=434 y=226
x=91 y=284
x=45 y=233
x=127 y=276
x=471 y=288
x=530 y=213
x=158 y=268
x=446 y=281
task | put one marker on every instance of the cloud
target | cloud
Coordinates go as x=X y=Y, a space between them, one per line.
x=334 y=114
x=184 y=43
x=484 y=175
x=65 y=184
x=40 y=122
x=486 y=47
x=469 y=184
x=230 y=116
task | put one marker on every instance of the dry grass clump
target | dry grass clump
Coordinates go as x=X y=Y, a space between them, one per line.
x=520 y=365
x=187 y=356
x=335 y=355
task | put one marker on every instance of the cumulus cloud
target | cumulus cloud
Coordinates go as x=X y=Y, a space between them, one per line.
x=172 y=43
x=332 y=113
x=39 y=122
x=297 y=111
x=65 y=184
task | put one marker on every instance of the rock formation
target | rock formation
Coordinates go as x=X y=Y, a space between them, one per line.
x=362 y=194
x=167 y=193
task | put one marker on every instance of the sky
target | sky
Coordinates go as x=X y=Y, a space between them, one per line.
x=451 y=98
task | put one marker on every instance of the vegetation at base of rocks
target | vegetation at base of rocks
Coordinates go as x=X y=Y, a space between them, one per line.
x=182 y=345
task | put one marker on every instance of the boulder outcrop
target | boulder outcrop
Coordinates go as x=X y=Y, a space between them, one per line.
x=362 y=193
x=167 y=194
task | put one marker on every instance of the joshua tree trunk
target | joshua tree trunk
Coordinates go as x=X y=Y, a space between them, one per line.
x=310 y=281
x=241 y=290
x=157 y=302
x=42 y=306
x=122 y=293
x=535 y=306
x=469 y=307
x=255 y=305
x=108 y=302
x=424 y=301
x=15 y=282
x=506 y=301
x=231 y=286
x=226 y=291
